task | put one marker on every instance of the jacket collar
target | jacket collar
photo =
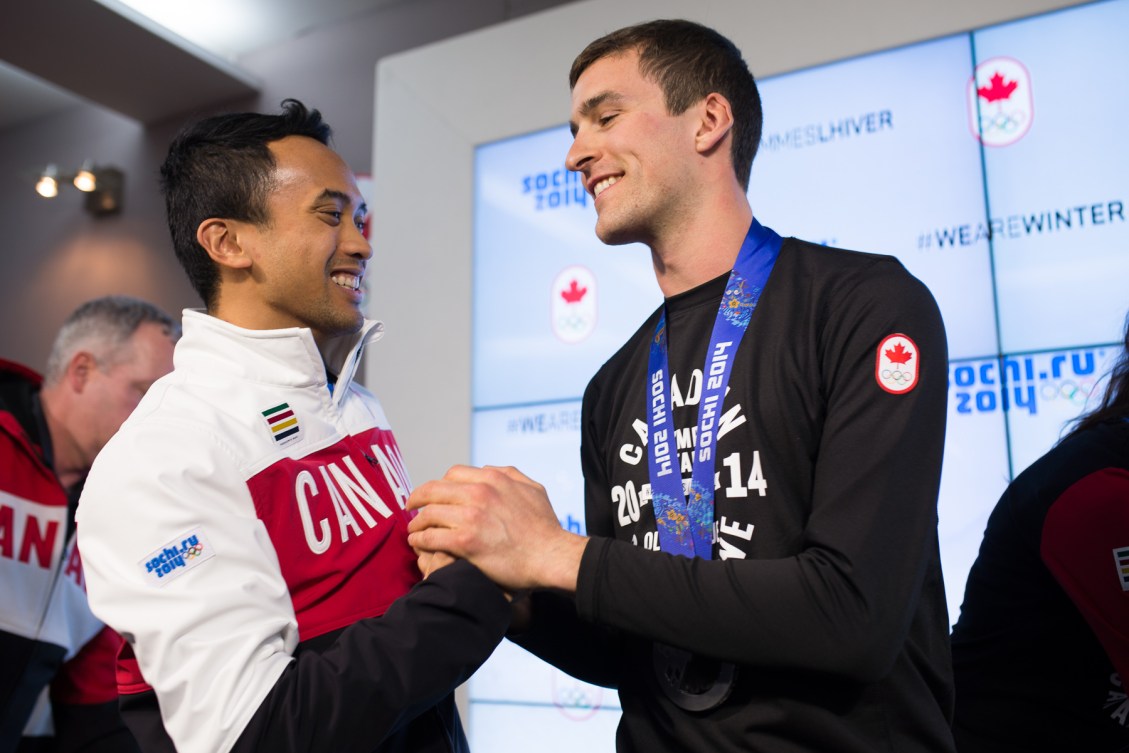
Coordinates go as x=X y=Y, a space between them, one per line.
x=285 y=357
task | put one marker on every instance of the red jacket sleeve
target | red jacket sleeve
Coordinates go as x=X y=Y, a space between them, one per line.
x=1085 y=545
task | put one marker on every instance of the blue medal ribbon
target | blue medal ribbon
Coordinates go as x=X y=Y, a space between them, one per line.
x=685 y=519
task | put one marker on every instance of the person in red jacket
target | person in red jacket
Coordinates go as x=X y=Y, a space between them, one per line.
x=1041 y=649
x=57 y=685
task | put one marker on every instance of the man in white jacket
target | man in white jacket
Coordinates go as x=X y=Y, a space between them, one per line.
x=246 y=530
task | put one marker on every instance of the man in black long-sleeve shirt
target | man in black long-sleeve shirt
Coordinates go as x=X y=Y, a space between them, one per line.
x=761 y=458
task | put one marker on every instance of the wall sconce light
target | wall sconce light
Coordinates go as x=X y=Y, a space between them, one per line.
x=102 y=186
x=48 y=184
x=85 y=180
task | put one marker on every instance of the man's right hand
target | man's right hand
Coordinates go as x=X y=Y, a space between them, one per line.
x=500 y=520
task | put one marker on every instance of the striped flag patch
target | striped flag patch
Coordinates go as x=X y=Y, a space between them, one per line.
x=1121 y=557
x=282 y=422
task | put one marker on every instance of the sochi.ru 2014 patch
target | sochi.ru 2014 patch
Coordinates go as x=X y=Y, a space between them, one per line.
x=897 y=364
x=187 y=551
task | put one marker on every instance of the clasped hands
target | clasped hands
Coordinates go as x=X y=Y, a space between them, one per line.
x=501 y=521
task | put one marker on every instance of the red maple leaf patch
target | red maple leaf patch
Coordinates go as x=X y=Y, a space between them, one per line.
x=898 y=354
x=999 y=88
x=574 y=293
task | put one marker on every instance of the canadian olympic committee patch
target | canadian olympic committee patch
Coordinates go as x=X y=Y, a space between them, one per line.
x=897 y=364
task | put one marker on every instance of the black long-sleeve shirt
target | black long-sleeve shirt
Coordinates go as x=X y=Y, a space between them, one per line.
x=825 y=588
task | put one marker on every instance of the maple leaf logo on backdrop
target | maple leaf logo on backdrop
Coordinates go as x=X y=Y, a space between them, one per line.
x=898 y=354
x=999 y=88
x=573 y=299
x=1001 y=106
x=574 y=293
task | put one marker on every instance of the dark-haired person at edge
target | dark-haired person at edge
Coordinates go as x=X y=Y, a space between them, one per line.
x=246 y=531
x=761 y=459
x=1041 y=649
x=57 y=688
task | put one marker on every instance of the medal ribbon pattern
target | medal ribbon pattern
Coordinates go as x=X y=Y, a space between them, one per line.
x=685 y=521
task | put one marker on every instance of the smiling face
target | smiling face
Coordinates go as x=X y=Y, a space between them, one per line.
x=637 y=159
x=306 y=263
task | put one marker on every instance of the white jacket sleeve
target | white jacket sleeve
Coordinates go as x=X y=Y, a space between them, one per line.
x=177 y=561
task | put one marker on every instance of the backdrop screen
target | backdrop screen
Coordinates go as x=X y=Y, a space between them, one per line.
x=989 y=163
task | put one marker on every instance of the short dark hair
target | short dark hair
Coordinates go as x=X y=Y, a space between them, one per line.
x=689 y=61
x=221 y=167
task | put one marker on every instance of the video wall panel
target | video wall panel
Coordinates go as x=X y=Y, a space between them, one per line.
x=989 y=163
x=550 y=303
x=1052 y=105
x=844 y=164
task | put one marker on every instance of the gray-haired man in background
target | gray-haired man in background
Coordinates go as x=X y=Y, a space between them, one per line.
x=104 y=358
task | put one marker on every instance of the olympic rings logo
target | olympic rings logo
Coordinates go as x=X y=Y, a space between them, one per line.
x=574 y=322
x=576 y=701
x=1074 y=392
x=575 y=697
x=1007 y=122
x=897 y=375
x=194 y=551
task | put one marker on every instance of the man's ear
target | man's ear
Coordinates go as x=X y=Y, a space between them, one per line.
x=716 y=121
x=220 y=238
x=79 y=369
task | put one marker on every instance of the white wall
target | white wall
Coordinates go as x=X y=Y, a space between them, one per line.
x=436 y=103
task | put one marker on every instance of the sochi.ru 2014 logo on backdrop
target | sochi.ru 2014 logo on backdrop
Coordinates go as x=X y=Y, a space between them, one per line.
x=573 y=308
x=1000 y=105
